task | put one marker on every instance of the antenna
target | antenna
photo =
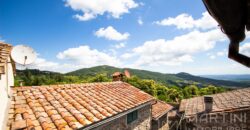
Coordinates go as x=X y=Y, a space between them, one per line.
x=23 y=55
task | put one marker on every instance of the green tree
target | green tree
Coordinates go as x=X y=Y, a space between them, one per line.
x=190 y=91
x=99 y=78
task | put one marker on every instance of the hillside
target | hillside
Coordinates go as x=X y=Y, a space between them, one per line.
x=179 y=79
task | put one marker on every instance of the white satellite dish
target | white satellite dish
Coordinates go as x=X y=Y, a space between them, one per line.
x=23 y=55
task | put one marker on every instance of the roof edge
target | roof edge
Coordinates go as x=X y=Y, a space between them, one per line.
x=163 y=112
x=101 y=122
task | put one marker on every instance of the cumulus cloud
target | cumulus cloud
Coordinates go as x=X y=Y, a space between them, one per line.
x=245 y=49
x=43 y=64
x=176 y=51
x=87 y=57
x=127 y=55
x=139 y=21
x=73 y=59
x=222 y=53
x=120 y=45
x=111 y=33
x=92 y=8
x=214 y=55
x=186 y=21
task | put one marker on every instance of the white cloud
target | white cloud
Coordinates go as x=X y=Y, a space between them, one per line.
x=245 y=49
x=87 y=57
x=176 y=51
x=120 y=45
x=212 y=57
x=222 y=53
x=75 y=58
x=111 y=33
x=43 y=64
x=84 y=17
x=92 y=8
x=229 y=67
x=127 y=55
x=139 y=21
x=186 y=21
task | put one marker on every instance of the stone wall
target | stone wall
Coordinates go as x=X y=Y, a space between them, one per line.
x=142 y=123
x=237 y=120
x=161 y=123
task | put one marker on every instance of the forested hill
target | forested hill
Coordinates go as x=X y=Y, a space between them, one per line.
x=180 y=79
x=37 y=77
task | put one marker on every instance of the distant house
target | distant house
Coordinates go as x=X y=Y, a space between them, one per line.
x=224 y=111
x=95 y=106
x=7 y=70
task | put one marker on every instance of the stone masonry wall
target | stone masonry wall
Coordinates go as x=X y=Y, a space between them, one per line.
x=142 y=123
x=161 y=123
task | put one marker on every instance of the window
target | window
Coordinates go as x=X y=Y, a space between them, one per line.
x=132 y=117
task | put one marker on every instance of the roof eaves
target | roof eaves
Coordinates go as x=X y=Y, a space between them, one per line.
x=101 y=122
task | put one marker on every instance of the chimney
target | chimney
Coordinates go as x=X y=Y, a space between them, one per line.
x=127 y=74
x=208 y=100
x=117 y=76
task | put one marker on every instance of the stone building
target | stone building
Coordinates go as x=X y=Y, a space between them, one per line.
x=224 y=111
x=7 y=70
x=160 y=115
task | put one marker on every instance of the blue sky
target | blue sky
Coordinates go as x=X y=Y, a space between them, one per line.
x=165 y=36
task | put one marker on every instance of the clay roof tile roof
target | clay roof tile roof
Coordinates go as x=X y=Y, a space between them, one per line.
x=227 y=101
x=4 y=51
x=160 y=108
x=71 y=106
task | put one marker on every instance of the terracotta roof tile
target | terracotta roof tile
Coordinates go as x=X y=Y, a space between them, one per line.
x=73 y=106
x=160 y=108
x=226 y=101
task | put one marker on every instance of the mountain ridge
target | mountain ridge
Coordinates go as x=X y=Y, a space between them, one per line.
x=174 y=79
x=181 y=79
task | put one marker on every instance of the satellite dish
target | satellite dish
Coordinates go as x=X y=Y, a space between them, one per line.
x=23 y=55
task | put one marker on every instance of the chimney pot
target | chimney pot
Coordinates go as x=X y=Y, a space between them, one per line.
x=208 y=100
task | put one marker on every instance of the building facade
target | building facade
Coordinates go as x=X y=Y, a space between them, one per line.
x=142 y=122
x=7 y=69
x=224 y=111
